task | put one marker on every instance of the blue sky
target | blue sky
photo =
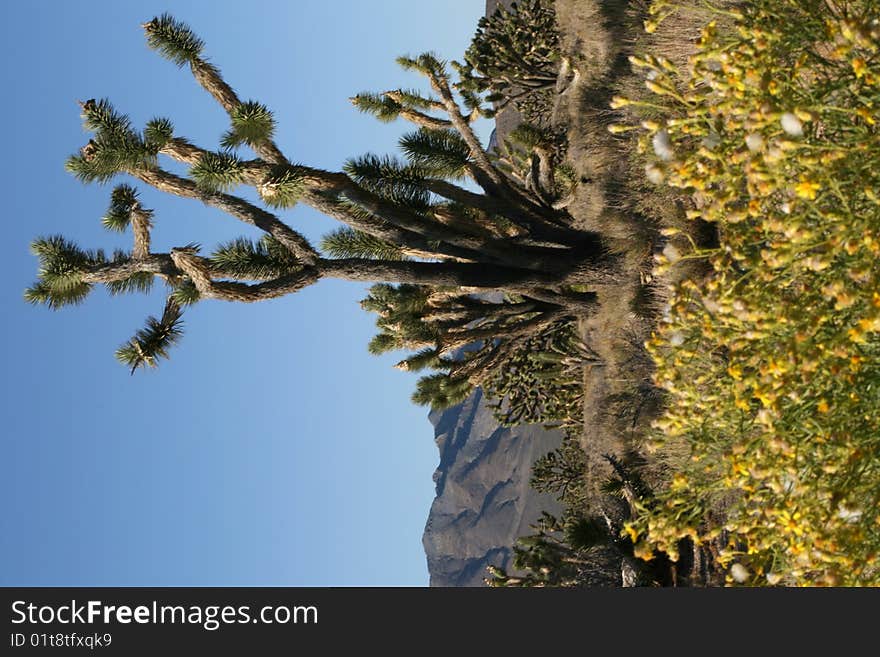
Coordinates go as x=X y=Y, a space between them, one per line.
x=272 y=449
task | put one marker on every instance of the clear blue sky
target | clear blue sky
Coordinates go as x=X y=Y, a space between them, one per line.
x=271 y=449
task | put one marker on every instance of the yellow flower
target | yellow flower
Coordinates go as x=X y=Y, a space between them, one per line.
x=790 y=521
x=631 y=531
x=859 y=67
x=865 y=113
x=806 y=189
x=823 y=407
x=643 y=551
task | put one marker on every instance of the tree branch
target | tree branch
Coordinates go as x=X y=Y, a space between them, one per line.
x=158 y=263
x=235 y=206
x=210 y=79
x=444 y=274
x=200 y=274
x=140 y=226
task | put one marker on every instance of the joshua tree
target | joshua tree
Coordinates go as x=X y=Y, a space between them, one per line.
x=456 y=268
x=514 y=54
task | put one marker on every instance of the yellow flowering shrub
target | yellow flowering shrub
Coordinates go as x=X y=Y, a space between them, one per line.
x=771 y=363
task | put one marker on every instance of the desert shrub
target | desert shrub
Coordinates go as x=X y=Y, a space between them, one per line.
x=771 y=363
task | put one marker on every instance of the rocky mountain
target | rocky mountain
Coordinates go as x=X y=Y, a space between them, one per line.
x=484 y=502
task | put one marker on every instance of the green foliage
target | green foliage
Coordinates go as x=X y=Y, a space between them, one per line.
x=565 y=179
x=153 y=341
x=387 y=106
x=441 y=153
x=402 y=319
x=386 y=300
x=514 y=54
x=283 y=187
x=173 y=39
x=220 y=171
x=123 y=200
x=391 y=179
x=584 y=546
x=350 y=243
x=115 y=147
x=529 y=136
x=400 y=310
x=105 y=156
x=62 y=264
x=523 y=144
x=100 y=116
x=413 y=99
x=158 y=133
x=542 y=381
x=440 y=391
x=562 y=472
x=139 y=282
x=558 y=553
x=262 y=260
x=252 y=123
x=427 y=358
x=427 y=63
x=185 y=293
x=382 y=343
x=379 y=105
x=56 y=296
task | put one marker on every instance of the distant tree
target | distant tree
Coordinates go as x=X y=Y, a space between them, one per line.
x=455 y=268
x=542 y=381
x=514 y=54
x=561 y=552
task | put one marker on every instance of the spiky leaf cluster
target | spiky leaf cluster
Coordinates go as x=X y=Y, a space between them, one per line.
x=220 y=171
x=261 y=260
x=100 y=116
x=413 y=99
x=116 y=147
x=347 y=242
x=283 y=187
x=440 y=153
x=426 y=63
x=185 y=293
x=62 y=265
x=252 y=123
x=173 y=39
x=427 y=358
x=158 y=133
x=391 y=179
x=123 y=200
x=387 y=106
x=441 y=391
x=139 y=282
x=400 y=310
x=153 y=341
x=379 y=105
